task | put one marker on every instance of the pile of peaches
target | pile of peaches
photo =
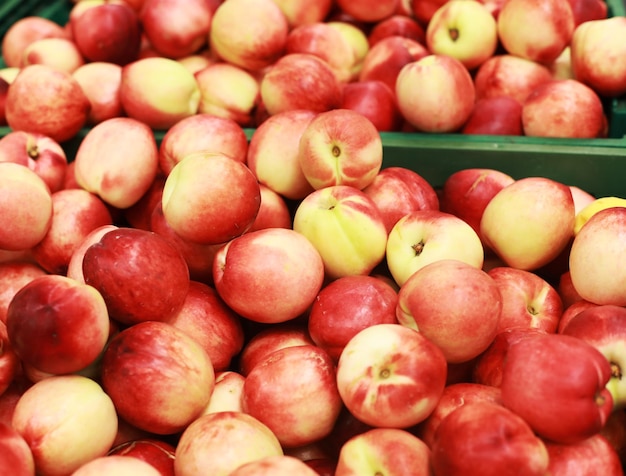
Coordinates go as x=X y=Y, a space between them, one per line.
x=226 y=278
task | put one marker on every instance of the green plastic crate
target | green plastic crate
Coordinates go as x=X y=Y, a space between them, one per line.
x=596 y=165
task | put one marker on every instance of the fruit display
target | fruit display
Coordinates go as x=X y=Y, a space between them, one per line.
x=340 y=237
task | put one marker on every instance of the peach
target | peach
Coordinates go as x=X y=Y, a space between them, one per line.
x=300 y=81
x=390 y=375
x=371 y=450
x=464 y=323
x=176 y=28
x=322 y=40
x=15 y=455
x=347 y=305
x=368 y=10
x=602 y=35
x=386 y=58
x=214 y=325
x=159 y=378
x=106 y=31
x=101 y=82
x=425 y=236
x=346 y=228
x=117 y=464
x=198 y=256
x=157 y=452
x=40 y=153
x=267 y=340
x=538 y=30
x=273 y=153
x=76 y=213
x=302 y=12
x=67 y=421
x=118 y=161
x=75 y=265
x=202 y=133
x=57 y=325
x=22 y=189
x=398 y=191
x=228 y=91
x=210 y=198
x=529 y=222
x=61 y=54
x=563 y=108
x=274 y=211
x=147 y=97
x=509 y=75
x=48 y=101
x=23 y=32
x=13 y=275
x=292 y=270
x=266 y=30
x=284 y=465
x=226 y=396
x=299 y=375
x=141 y=275
x=221 y=442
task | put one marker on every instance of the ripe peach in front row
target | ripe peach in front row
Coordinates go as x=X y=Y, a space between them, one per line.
x=389 y=375
x=346 y=228
x=425 y=236
x=273 y=153
x=270 y=275
x=213 y=324
x=117 y=464
x=23 y=190
x=488 y=438
x=117 y=160
x=159 y=377
x=461 y=323
x=221 y=442
x=391 y=450
x=202 y=133
x=346 y=306
x=57 y=325
x=67 y=421
x=152 y=283
x=76 y=213
x=300 y=375
x=210 y=198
